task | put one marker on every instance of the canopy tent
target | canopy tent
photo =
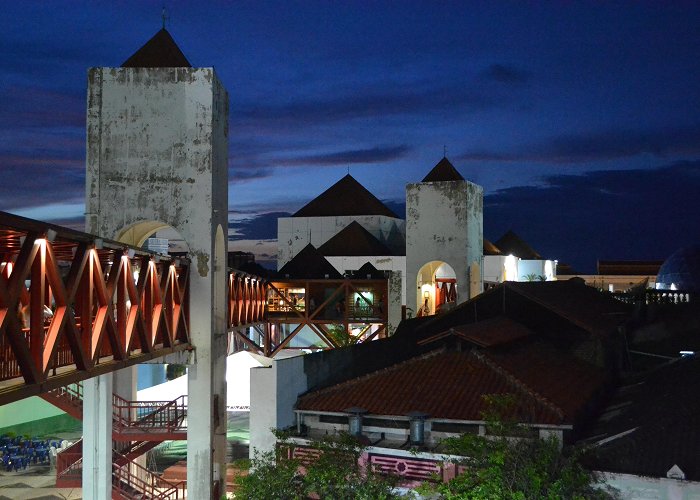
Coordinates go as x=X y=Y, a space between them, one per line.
x=237 y=383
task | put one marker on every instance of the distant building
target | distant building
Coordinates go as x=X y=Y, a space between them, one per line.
x=239 y=260
x=439 y=250
x=618 y=275
x=532 y=341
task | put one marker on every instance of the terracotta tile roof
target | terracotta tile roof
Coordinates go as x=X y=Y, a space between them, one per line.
x=629 y=267
x=511 y=243
x=536 y=305
x=652 y=424
x=443 y=171
x=345 y=197
x=594 y=311
x=576 y=385
x=161 y=51
x=354 y=240
x=310 y=264
x=487 y=333
x=450 y=385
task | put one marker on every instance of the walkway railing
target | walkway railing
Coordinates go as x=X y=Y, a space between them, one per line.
x=654 y=296
x=73 y=306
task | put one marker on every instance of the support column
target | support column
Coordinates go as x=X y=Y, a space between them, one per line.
x=97 y=437
x=206 y=381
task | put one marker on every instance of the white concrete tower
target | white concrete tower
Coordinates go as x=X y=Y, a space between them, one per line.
x=156 y=157
x=444 y=239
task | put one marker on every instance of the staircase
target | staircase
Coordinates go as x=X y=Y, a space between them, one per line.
x=137 y=427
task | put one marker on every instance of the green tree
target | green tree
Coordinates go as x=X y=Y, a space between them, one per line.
x=511 y=464
x=336 y=474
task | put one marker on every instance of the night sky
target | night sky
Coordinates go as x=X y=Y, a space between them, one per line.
x=580 y=119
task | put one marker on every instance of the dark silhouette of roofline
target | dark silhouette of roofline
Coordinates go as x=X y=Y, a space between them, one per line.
x=160 y=51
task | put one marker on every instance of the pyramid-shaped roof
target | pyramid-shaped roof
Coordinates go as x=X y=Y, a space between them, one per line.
x=366 y=270
x=354 y=241
x=309 y=264
x=161 y=51
x=443 y=171
x=511 y=243
x=490 y=248
x=345 y=197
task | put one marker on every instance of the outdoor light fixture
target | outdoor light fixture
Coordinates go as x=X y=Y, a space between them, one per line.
x=131 y=253
x=51 y=235
x=426 y=294
x=99 y=243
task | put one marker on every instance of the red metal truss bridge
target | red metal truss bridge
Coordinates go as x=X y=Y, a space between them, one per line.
x=74 y=306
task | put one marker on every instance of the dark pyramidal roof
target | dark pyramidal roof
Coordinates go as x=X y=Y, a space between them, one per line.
x=355 y=241
x=490 y=248
x=511 y=243
x=345 y=197
x=309 y=264
x=443 y=171
x=161 y=51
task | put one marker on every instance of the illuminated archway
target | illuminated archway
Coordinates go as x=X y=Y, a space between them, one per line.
x=436 y=284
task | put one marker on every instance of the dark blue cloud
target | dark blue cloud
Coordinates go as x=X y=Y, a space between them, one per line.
x=363 y=103
x=609 y=145
x=260 y=227
x=506 y=74
x=376 y=154
x=618 y=214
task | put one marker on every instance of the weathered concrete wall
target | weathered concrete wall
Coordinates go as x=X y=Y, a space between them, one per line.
x=444 y=222
x=396 y=300
x=293 y=232
x=273 y=394
x=157 y=155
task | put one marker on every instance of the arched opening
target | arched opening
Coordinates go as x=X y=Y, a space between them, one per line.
x=153 y=235
x=436 y=284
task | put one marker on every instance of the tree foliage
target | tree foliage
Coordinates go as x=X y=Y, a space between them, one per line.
x=509 y=464
x=335 y=474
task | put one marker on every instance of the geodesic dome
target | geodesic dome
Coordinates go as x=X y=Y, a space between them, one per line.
x=681 y=271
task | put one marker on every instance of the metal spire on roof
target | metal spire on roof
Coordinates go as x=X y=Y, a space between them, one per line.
x=164 y=16
x=444 y=151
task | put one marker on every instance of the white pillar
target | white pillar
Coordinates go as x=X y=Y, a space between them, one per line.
x=97 y=438
x=206 y=380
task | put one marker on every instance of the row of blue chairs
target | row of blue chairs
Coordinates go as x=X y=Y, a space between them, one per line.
x=18 y=453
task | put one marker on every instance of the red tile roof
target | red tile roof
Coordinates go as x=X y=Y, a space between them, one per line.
x=161 y=51
x=450 y=385
x=487 y=333
x=443 y=171
x=630 y=267
x=586 y=307
x=345 y=197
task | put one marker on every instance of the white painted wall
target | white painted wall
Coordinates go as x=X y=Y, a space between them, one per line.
x=273 y=394
x=293 y=232
x=493 y=268
x=650 y=488
x=444 y=223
